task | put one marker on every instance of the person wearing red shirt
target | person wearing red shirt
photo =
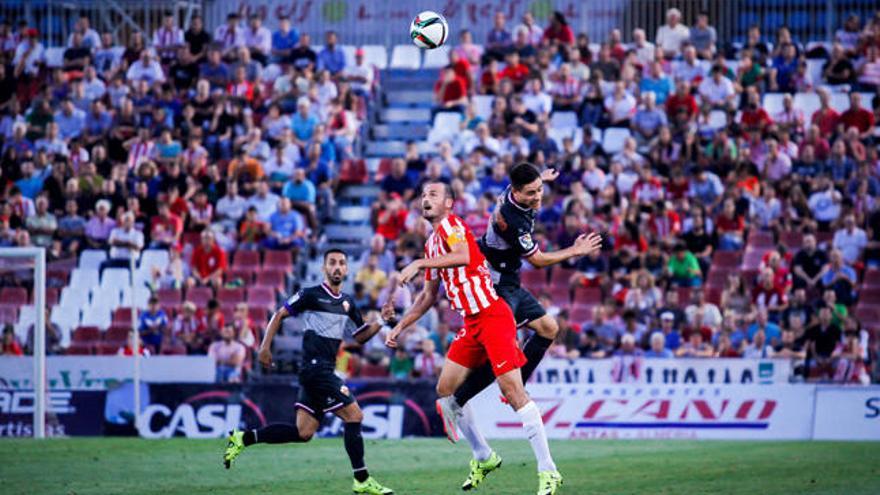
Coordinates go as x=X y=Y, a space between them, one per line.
x=209 y=261
x=165 y=228
x=821 y=146
x=754 y=117
x=768 y=294
x=9 y=346
x=558 y=32
x=450 y=92
x=462 y=69
x=392 y=218
x=629 y=236
x=681 y=107
x=516 y=71
x=825 y=117
x=664 y=223
x=730 y=227
x=857 y=117
x=490 y=78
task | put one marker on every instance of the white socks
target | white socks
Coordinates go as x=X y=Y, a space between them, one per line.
x=468 y=427
x=533 y=424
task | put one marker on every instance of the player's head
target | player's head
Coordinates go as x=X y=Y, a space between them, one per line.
x=437 y=200
x=335 y=266
x=526 y=184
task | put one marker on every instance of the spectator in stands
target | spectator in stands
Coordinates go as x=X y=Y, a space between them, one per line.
x=52 y=340
x=703 y=37
x=208 y=262
x=153 y=324
x=782 y=75
x=167 y=39
x=673 y=35
x=838 y=69
x=331 y=57
x=359 y=75
x=825 y=204
x=499 y=42
x=401 y=365
x=850 y=240
x=125 y=243
x=42 y=225
x=288 y=229
x=9 y=345
x=858 y=117
x=822 y=340
x=689 y=69
x=98 y=228
x=391 y=217
x=627 y=361
x=657 y=82
x=229 y=356
x=258 y=39
x=428 y=362
x=146 y=68
x=165 y=228
x=558 y=33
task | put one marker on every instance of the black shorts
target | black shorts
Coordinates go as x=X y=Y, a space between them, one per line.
x=322 y=391
x=524 y=305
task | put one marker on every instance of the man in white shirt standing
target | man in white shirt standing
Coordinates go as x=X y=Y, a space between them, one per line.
x=93 y=87
x=167 y=39
x=534 y=32
x=29 y=55
x=644 y=49
x=231 y=207
x=850 y=240
x=125 y=242
x=146 y=67
x=258 y=39
x=673 y=34
x=90 y=38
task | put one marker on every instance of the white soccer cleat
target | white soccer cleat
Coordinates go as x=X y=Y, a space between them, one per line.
x=450 y=413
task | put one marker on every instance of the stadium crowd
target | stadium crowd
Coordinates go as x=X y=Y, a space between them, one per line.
x=758 y=237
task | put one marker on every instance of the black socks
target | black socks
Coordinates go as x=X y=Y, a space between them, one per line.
x=482 y=377
x=274 y=433
x=354 y=446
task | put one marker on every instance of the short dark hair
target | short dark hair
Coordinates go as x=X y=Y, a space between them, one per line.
x=446 y=187
x=523 y=173
x=334 y=250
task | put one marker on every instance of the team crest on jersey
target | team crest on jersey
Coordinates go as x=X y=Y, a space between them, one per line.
x=344 y=390
x=345 y=306
x=456 y=235
x=526 y=241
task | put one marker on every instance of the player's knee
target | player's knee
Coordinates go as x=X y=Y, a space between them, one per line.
x=515 y=395
x=355 y=417
x=306 y=433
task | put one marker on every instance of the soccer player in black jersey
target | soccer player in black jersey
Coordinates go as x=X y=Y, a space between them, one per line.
x=507 y=241
x=329 y=316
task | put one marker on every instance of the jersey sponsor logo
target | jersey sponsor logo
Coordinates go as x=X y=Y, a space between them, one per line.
x=526 y=241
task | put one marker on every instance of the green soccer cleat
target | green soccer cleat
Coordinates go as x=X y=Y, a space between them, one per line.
x=479 y=470
x=371 y=487
x=549 y=482
x=234 y=447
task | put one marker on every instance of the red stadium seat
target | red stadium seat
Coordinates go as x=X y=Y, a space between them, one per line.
x=57 y=278
x=108 y=348
x=729 y=259
x=52 y=295
x=684 y=295
x=353 y=171
x=533 y=277
x=278 y=259
x=713 y=295
x=872 y=278
x=246 y=258
x=384 y=169
x=8 y=315
x=271 y=278
x=230 y=296
x=561 y=277
x=587 y=295
x=560 y=294
x=792 y=240
x=117 y=334
x=122 y=317
x=867 y=313
x=259 y=315
x=261 y=296
x=243 y=273
x=80 y=349
x=199 y=296
x=86 y=335
x=228 y=312
x=173 y=350
x=369 y=370
x=717 y=277
x=760 y=239
x=13 y=296
x=581 y=313
x=870 y=296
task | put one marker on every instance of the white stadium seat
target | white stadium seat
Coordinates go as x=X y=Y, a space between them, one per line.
x=115 y=278
x=717 y=119
x=563 y=120
x=406 y=57
x=773 y=103
x=436 y=58
x=376 y=55
x=54 y=57
x=84 y=278
x=814 y=70
x=151 y=257
x=74 y=297
x=92 y=258
x=807 y=103
x=614 y=138
x=96 y=316
x=349 y=50
x=483 y=105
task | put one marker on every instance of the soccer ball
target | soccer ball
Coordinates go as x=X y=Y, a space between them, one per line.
x=429 y=30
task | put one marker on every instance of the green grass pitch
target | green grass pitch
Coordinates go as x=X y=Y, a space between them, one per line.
x=433 y=466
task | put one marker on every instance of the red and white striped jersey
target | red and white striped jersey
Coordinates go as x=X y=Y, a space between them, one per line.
x=469 y=288
x=139 y=152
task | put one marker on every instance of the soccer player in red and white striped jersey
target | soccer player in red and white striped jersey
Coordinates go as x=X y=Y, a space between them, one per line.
x=489 y=334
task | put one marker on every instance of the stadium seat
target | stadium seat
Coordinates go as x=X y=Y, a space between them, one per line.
x=86 y=334
x=376 y=55
x=559 y=293
x=406 y=57
x=406 y=115
x=117 y=334
x=97 y=316
x=153 y=257
x=807 y=103
x=122 y=316
x=561 y=277
x=370 y=370
x=169 y=298
x=13 y=296
x=840 y=101
x=870 y=296
x=446 y=127
x=385 y=148
x=773 y=103
x=80 y=349
x=353 y=214
x=537 y=276
x=760 y=239
x=353 y=172
x=54 y=57
x=278 y=259
x=730 y=259
x=259 y=315
x=230 y=295
x=872 y=278
x=74 y=297
x=245 y=274
x=588 y=295
x=436 y=58
x=563 y=120
x=92 y=258
x=52 y=296
x=199 y=296
x=581 y=313
x=263 y=296
x=246 y=258
x=8 y=315
x=271 y=278
x=483 y=105
x=108 y=348
x=115 y=278
x=613 y=139
x=173 y=350
x=84 y=278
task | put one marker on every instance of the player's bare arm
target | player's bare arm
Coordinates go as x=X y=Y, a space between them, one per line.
x=368 y=330
x=421 y=305
x=265 y=354
x=459 y=256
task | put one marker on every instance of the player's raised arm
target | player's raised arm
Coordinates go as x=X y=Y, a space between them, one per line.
x=584 y=245
x=421 y=305
x=459 y=255
x=366 y=331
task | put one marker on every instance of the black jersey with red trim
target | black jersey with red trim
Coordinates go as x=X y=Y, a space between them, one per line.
x=328 y=318
x=508 y=240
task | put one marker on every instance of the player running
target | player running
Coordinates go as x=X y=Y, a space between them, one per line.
x=328 y=316
x=507 y=241
x=452 y=255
